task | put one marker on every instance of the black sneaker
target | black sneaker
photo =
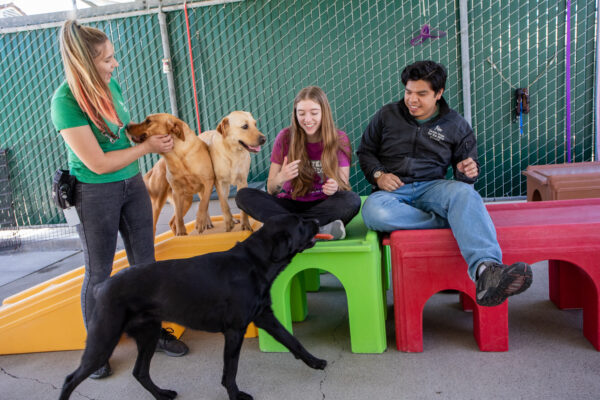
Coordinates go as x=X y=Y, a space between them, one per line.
x=102 y=372
x=499 y=281
x=170 y=345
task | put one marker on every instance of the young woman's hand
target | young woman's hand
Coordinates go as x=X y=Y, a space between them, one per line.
x=330 y=187
x=288 y=171
x=159 y=143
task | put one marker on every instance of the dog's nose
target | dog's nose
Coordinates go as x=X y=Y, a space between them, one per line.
x=262 y=140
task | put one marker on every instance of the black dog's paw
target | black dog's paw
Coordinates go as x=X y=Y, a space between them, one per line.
x=167 y=394
x=244 y=396
x=317 y=363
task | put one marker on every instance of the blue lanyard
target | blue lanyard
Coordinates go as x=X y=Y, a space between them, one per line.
x=521 y=118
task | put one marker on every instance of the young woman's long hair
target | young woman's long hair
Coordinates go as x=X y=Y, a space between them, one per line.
x=303 y=183
x=79 y=46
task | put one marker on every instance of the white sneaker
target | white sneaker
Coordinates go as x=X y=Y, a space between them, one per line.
x=335 y=228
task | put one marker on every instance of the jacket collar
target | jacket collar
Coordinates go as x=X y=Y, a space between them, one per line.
x=444 y=109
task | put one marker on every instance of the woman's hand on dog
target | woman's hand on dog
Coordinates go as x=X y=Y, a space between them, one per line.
x=159 y=144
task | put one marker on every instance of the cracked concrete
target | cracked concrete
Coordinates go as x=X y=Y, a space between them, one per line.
x=548 y=358
x=342 y=321
x=17 y=378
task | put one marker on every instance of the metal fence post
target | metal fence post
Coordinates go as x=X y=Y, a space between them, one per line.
x=167 y=64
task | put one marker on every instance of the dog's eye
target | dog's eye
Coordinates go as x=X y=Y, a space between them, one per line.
x=245 y=126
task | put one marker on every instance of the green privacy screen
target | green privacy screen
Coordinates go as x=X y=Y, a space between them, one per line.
x=256 y=55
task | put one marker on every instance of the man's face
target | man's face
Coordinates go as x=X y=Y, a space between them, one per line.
x=421 y=99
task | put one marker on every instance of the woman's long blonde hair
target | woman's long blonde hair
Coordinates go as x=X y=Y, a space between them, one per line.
x=303 y=183
x=79 y=46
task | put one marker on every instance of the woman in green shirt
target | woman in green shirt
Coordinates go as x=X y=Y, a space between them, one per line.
x=110 y=197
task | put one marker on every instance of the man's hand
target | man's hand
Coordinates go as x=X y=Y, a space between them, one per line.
x=468 y=167
x=389 y=182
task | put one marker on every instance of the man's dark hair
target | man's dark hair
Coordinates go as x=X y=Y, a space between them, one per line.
x=429 y=71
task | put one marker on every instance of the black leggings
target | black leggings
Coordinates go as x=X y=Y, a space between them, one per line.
x=261 y=205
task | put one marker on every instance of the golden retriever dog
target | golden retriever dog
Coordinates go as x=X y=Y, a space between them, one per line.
x=230 y=146
x=180 y=173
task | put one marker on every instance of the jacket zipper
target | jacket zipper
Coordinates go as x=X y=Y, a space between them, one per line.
x=414 y=149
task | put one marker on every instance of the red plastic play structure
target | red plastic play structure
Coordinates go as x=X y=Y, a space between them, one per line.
x=566 y=232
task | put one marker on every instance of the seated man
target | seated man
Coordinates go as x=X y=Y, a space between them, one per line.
x=405 y=152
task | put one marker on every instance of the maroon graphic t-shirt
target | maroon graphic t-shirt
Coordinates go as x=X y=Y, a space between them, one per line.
x=314 y=150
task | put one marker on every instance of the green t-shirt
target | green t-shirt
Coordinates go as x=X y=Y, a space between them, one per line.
x=66 y=113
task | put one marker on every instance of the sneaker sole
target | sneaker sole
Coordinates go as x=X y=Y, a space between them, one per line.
x=515 y=273
x=170 y=353
x=336 y=230
x=101 y=376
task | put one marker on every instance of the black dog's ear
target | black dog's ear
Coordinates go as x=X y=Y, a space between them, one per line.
x=282 y=248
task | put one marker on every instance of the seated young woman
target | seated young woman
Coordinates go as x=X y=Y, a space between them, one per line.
x=310 y=169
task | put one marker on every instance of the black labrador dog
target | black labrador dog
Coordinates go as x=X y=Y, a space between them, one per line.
x=215 y=292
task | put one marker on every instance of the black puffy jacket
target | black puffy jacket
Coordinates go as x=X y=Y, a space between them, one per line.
x=395 y=142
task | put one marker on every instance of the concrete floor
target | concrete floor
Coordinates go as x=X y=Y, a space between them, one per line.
x=549 y=358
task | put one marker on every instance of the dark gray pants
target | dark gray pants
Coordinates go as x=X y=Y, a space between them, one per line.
x=104 y=210
x=261 y=205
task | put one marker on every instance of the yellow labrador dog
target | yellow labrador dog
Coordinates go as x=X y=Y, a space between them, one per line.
x=230 y=146
x=180 y=173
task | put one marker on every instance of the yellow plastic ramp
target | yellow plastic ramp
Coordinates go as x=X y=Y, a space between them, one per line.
x=47 y=317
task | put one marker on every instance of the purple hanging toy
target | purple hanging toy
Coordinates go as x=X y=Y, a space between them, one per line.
x=426 y=33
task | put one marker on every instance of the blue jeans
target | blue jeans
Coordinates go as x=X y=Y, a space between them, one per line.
x=105 y=209
x=434 y=205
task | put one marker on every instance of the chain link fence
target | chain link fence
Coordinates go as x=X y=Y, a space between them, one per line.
x=256 y=55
